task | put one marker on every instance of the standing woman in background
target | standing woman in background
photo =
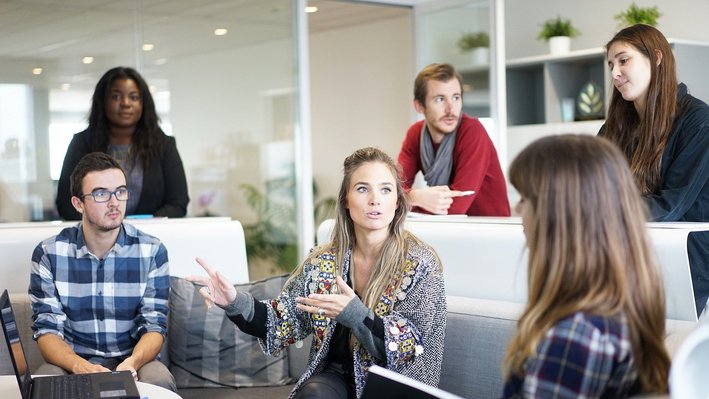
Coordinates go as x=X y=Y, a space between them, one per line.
x=123 y=123
x=594 y=323
x=664 y=133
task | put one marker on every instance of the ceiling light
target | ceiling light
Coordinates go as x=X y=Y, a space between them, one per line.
x=148 y=47
x=87 y=60
x=220 y=31
x=65 y=86
x=36 y=71
x=311 y=9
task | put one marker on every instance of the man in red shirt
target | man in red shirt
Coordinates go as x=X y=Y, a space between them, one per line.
x=453 y=150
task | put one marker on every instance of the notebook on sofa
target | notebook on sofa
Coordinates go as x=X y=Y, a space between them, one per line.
x=117 y=384
x=383 y=383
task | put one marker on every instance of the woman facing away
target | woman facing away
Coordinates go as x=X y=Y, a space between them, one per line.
x=664 y=133
x=123 y=122
x=594 y=322
x=373 y=295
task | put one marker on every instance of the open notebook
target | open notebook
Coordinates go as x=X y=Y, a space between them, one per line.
x=383 y=383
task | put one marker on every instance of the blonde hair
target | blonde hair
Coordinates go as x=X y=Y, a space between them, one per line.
x=394 y=249
x=588 y=250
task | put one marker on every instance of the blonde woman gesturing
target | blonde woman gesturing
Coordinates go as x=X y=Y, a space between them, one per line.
x=373 y=295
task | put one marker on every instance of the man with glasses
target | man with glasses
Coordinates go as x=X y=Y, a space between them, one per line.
x=99 y=289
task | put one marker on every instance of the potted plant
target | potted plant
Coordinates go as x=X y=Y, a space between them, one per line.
x=272 y=240
x=638 y=15
x=558 y=32
x=477 y=45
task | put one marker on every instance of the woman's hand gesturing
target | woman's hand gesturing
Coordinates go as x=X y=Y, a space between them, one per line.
x=328 y=305
x=217 y=288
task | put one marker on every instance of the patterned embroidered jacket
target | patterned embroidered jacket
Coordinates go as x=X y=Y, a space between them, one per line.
x=413 y=311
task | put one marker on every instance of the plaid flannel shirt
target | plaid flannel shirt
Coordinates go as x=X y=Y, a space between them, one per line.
x=100 y=307
x=582 y=356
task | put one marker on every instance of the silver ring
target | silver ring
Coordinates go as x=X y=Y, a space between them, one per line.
x=321 y=311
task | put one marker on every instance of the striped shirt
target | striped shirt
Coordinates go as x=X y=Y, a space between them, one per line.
x=582 y=356
x=100 y=307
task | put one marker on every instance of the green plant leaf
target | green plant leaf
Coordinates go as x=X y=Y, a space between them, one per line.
x=274 y=235
x=472 y=40
x=557 y=27
x=638 y=15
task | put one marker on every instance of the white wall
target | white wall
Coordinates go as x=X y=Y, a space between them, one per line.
x=681 y=19
x=361 y=89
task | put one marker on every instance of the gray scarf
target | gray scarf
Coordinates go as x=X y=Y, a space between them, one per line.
x=437 y=165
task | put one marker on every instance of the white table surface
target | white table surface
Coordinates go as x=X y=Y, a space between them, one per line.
x=10 y=390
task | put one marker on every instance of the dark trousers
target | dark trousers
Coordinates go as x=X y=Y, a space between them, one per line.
x=331 y=383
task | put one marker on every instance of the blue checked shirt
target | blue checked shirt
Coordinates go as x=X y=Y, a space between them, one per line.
x=100 y=307
x=582 y=356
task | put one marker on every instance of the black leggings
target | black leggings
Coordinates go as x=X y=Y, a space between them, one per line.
x=330 y=384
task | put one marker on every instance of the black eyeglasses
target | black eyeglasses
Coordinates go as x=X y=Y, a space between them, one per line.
x=121 y=194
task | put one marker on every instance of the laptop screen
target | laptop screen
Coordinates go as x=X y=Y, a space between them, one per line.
x=14 y=346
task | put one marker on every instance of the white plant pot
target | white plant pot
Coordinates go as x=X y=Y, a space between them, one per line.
x=559 y=44
x=480 y=56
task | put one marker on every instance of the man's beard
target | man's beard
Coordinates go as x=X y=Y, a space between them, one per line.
x=105 y=226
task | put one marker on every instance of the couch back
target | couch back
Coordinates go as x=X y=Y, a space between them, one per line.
x=485 y=257
x=220 y=241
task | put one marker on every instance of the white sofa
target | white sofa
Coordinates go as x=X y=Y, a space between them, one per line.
x=220 y=241
x=485 y=257
x=484 y=265
x=478 y=329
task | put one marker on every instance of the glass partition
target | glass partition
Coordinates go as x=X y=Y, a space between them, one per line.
x=466 y=34
x=459 y=34
x=224 y=76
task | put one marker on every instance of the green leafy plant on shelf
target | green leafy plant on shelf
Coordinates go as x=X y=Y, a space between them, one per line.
x=274 y=235
x=557 y=27
x=638 y=15
x=471 y=40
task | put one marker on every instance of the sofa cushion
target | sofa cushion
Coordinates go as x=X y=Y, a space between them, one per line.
x=477 y=334
x=208 y=350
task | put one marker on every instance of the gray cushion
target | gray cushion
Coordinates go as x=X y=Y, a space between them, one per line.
x=208 y=350
x=475 y=346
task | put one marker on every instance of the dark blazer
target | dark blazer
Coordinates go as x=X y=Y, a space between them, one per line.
x=164 y=190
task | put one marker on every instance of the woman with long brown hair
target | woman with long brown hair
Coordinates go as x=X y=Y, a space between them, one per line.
x=373 y=295
x=664 y=133
x=594 y=321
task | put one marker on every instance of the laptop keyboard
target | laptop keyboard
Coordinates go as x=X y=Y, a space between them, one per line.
x=71 y=386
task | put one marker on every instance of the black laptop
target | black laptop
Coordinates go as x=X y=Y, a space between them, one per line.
x=383 y=383
x=109 y=385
